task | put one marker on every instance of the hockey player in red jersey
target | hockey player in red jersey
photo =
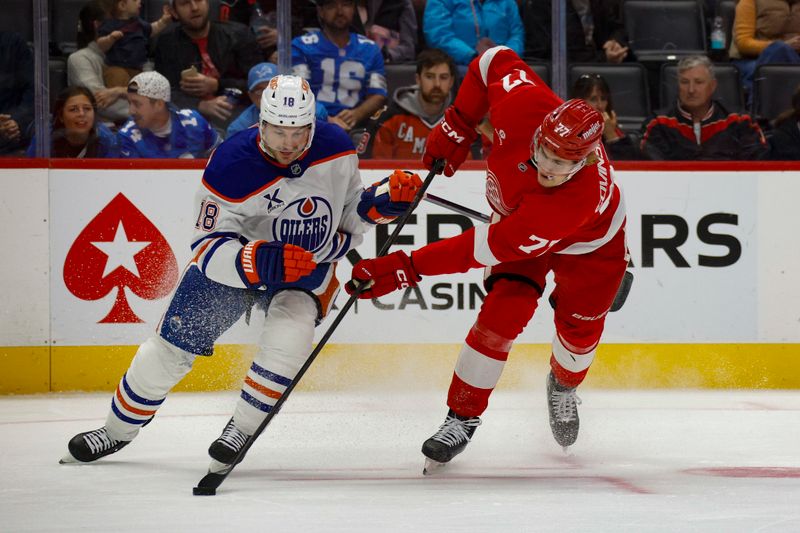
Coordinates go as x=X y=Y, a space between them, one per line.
x=556 y=208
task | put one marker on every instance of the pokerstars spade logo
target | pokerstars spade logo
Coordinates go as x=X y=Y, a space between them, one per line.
x=305 y=222
x=118 y=249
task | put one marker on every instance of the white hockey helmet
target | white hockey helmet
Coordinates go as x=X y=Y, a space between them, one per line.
x=287 y=101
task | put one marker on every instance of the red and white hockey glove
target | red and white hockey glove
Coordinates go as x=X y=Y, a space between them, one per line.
x=389 y=198
x=383 y=275
x=265 y=263
x=450 y=140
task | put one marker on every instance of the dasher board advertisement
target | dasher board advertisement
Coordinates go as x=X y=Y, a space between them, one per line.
x=120 y=241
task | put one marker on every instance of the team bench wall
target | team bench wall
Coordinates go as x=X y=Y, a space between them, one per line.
x=714 y=248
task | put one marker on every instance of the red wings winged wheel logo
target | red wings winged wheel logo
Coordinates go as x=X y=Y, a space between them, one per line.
x=120 y=248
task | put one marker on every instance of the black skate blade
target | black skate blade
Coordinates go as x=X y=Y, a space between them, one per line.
x=432 y=467
x=209 y=484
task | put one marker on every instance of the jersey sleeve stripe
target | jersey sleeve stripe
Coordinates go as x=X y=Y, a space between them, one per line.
x=211 y=250
x=345 y=246
x=214 y=235
x=616 y=223
x=486 y=60
x=481 y=251
x=334 y=247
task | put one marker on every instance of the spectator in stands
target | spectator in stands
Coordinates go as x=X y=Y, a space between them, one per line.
x=85 y=66
x=785 y=141
x=123 y=37
x=345 y=70
x=595 y=31
x=257 y=81
x=202 y=59
x=699 y=127
x=466 y=28
x=414 y=111
x=76 y=133
x=392 y=25
x=764 y=32
x=303 y=12
x=16 y=93
x=595 y=90
x=159 y=130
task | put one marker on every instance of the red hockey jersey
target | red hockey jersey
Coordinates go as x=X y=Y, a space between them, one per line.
x=576 y=217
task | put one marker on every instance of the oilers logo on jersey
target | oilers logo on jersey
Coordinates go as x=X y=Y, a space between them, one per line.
x=305 y=222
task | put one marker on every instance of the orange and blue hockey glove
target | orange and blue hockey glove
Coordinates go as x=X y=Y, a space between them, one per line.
x=265 y=263
x=389 y=198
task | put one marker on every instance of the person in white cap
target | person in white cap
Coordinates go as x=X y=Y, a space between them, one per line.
x=279 y=205
x=157 y=129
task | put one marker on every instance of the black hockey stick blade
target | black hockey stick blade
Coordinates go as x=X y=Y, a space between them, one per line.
x=622 y=292
x=210 y=483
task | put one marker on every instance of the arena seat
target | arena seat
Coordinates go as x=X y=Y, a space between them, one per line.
x=399 y=75
x=629 y=90
x=542 y=69
x=773 y=87
x=660 y=30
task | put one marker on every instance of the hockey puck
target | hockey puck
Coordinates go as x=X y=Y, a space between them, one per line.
x=204 y=491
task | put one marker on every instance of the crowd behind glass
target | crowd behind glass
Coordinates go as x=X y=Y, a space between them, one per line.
x=173 y=78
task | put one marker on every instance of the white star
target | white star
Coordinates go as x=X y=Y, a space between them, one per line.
x=120 y=252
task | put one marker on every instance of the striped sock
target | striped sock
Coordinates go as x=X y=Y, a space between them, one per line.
x=260 y=391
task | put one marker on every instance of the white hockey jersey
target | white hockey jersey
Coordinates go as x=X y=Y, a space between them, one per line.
x=311 y=203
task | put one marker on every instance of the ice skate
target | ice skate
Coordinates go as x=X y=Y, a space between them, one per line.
x=451 y=439
x=225 y=449
x=562 y=403
x=91 y=446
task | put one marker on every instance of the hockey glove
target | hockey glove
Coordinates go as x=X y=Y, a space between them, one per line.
x=450 y=140
x=265 y=263
x=382 y=275
x=389 y=198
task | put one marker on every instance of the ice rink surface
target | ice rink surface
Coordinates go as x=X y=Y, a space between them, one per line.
x=717 y=461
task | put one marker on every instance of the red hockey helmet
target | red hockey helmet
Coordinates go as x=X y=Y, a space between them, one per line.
x=571 y=131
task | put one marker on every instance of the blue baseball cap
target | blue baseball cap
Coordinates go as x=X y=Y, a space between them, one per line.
x=261 y=73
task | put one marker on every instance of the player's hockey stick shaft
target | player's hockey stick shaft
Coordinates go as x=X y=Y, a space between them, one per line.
x=457 y=208
x=211 y=481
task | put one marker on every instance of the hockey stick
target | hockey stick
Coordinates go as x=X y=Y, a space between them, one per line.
x=211 y=481
x=457 y=208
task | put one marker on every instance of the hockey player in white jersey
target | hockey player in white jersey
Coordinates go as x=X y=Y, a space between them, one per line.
x=278 y=206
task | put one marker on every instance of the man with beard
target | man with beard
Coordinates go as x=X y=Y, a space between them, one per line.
x=415 y=110
x=157 y=129
x=202 y=59
x=345 y=69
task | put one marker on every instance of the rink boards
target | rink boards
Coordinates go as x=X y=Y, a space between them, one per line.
x=93 y=252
